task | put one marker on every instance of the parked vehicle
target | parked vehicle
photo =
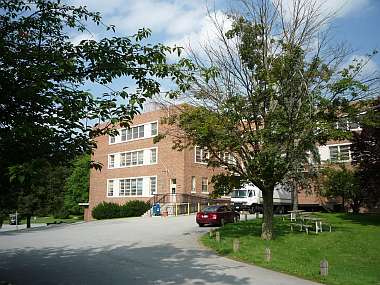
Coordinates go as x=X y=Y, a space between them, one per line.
x=13 y=220
x=249 y=198
x=217 y=215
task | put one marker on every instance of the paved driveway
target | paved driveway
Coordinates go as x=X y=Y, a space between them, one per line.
x=125 y=251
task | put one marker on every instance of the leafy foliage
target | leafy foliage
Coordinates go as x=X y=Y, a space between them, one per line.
x=77 y=185
x=45 y=111
x=366 y=155
x=266 y=98
x=107 y=210
x=342 y=183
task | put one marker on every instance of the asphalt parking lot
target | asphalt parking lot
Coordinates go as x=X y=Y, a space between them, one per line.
x=123 y=251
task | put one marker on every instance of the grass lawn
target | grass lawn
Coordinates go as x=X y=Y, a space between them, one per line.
x=51 y=219
x=352 y=248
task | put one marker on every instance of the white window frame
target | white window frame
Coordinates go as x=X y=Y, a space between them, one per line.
x=203 y=153
x=109 y=183
x=150 y=185
x=154 y=123
x=136 y=156
x=111 y=140
x=193 y=184
x=206 y=185
x=155 y=151
x=141 y=133
x=339 y=151
x=111 y=165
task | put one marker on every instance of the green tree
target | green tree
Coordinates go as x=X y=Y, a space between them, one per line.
x=39 y=188
x=266 y=97
x=366 y=154
x=341 y=182
x=77 y=184
x=45 y=111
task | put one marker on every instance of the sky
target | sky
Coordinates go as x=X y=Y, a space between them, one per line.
x=180 y=22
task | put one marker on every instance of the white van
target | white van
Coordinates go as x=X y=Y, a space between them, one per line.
x=249 y=198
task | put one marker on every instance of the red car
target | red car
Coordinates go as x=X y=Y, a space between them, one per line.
x=217 y=215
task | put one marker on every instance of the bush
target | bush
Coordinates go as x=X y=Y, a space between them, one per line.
x=107 y=210
x=134 y=208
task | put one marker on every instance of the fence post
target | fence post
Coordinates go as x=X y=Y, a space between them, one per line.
x=199 y=207
x=217 y=236
x=236 y=245
x=208 y=203
x=324 y=267
x=176 y=209
x=268 y=255
x=188 y=208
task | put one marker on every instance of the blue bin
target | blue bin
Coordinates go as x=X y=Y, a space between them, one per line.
x=156 y=209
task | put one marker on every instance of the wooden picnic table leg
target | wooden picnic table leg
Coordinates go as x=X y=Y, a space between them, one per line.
x=320 y=224
x=316 y=227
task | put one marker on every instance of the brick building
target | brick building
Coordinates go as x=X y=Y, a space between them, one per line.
x=134 y=167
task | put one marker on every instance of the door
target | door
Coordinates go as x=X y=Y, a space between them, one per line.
x=173 y=190
x=173 y=186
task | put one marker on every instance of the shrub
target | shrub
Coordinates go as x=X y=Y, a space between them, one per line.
x=111 y=210
x=106 y=211
x=134 y=208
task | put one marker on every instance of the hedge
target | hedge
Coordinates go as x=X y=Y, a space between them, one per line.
x=107 y=210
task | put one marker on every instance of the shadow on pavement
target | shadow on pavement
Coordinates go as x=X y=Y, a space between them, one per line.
x=163 y=264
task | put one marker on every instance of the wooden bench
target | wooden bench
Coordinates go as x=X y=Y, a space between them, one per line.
x=302 y=226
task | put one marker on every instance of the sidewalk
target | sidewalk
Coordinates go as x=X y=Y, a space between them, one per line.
x=7 y=227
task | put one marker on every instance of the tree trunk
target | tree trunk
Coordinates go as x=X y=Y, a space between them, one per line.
x=28 y=218
x=267 y=226
x=295 y=197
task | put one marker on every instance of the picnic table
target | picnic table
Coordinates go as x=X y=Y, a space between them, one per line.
x=317 y=221
x=294 y=213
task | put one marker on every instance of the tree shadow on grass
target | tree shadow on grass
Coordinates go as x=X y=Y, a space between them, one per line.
x=253 y=228
x=163 y=264
x=362 y=219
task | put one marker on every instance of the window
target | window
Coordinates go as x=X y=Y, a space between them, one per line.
x=345 y=124
x=135 y=132
x=128 y=159
x=110 y=188
x=128 y=187
x=111 y=161
x=204 y=185
x=153 y=127
x=153 y=185
x=153 y=155
x=140 y=157
x=133 y=187
x=129 y=134
x=123 y=134
x=193 y=184
x=139 y=186
x=228 y=158
x=134 y=158
x=201 y=155
x=123 y=159
x=141 y=131
x=122 y=184
x=112 y=139
x=340 y=153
